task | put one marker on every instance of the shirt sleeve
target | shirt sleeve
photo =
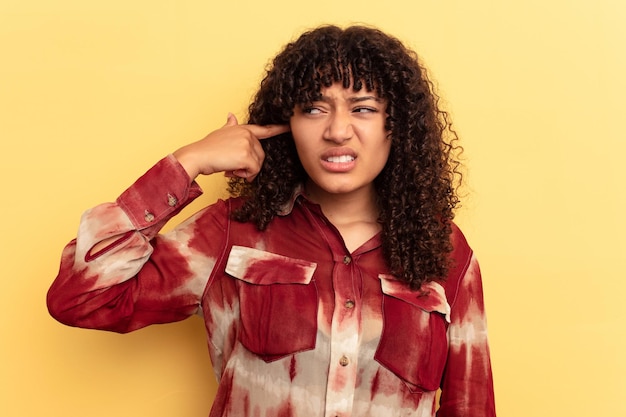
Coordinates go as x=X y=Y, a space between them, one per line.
x=142 y=277
x=467 y=384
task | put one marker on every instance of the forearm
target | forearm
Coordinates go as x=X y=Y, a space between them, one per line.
x=114 y=242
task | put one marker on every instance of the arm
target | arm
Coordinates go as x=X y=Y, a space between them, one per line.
x=129 y=282
x=467 y=385
x=119 y=274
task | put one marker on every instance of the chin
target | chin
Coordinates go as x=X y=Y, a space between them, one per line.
x=342 y=189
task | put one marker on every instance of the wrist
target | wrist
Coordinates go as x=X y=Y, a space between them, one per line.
x=188 y=162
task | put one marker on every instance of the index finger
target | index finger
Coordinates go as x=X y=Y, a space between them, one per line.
x=267 y=131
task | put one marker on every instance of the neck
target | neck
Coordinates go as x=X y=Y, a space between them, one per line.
x=354 y=214
x=345 y=208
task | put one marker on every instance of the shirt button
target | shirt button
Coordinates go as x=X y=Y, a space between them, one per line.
x=148 y=216
x=347 y=260
x=349 y=304
x=171 y=200
x=344 y=361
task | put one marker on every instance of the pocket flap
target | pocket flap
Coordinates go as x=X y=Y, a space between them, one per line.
x=431 y=297
x=259 y=267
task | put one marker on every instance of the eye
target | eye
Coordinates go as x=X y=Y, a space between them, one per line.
x=364 y=109
x=311 y=110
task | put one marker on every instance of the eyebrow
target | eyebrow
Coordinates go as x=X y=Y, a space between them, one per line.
x=357 y=99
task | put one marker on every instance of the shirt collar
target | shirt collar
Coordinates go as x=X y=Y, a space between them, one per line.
x=300 y=195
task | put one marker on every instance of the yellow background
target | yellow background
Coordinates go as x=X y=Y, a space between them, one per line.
x=93 y=92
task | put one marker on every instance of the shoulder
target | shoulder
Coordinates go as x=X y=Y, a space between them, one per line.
x=461 y=252
x=217 y=213
x=461 y=260
x=225 y=205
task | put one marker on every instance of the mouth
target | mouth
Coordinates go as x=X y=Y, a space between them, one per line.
x=340 y=159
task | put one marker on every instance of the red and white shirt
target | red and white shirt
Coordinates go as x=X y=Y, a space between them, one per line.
x=297 y=325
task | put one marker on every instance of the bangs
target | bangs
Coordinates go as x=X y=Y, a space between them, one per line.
x=344 y=63
x=357 y=58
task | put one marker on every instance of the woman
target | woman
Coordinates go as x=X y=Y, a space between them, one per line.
x=333 y=282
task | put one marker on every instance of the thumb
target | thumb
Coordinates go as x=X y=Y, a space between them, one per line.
x=231 y=120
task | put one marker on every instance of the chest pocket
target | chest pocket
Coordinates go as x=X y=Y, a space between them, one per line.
x=278 y=302
x=414 y=343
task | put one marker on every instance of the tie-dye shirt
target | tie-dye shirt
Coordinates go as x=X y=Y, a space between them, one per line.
x=297 y=325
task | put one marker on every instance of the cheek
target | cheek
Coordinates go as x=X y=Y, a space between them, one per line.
x=300 y=133
x=303 y=148
x=383 y=154
x=299 y=141
x=297 y=135
x=304 y=138
x=383 y=160
x=385 y=148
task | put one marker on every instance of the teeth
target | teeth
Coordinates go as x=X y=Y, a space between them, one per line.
x=339 y=159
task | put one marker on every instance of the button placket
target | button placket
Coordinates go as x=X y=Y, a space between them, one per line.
x=345 y=338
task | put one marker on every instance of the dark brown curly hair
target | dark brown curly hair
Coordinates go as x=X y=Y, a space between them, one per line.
x=417 y=187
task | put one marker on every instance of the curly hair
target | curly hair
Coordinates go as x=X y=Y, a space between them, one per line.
x=417 y=188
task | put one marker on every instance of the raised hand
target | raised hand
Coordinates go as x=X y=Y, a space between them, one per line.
x=233 y=149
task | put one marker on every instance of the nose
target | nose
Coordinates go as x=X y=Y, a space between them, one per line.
x=339 y=128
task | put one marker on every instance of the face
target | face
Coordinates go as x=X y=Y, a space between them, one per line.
x=341 y=141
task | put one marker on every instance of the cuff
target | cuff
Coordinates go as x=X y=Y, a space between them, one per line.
x=159 y=194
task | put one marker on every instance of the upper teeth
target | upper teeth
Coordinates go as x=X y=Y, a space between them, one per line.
x=342 y=158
